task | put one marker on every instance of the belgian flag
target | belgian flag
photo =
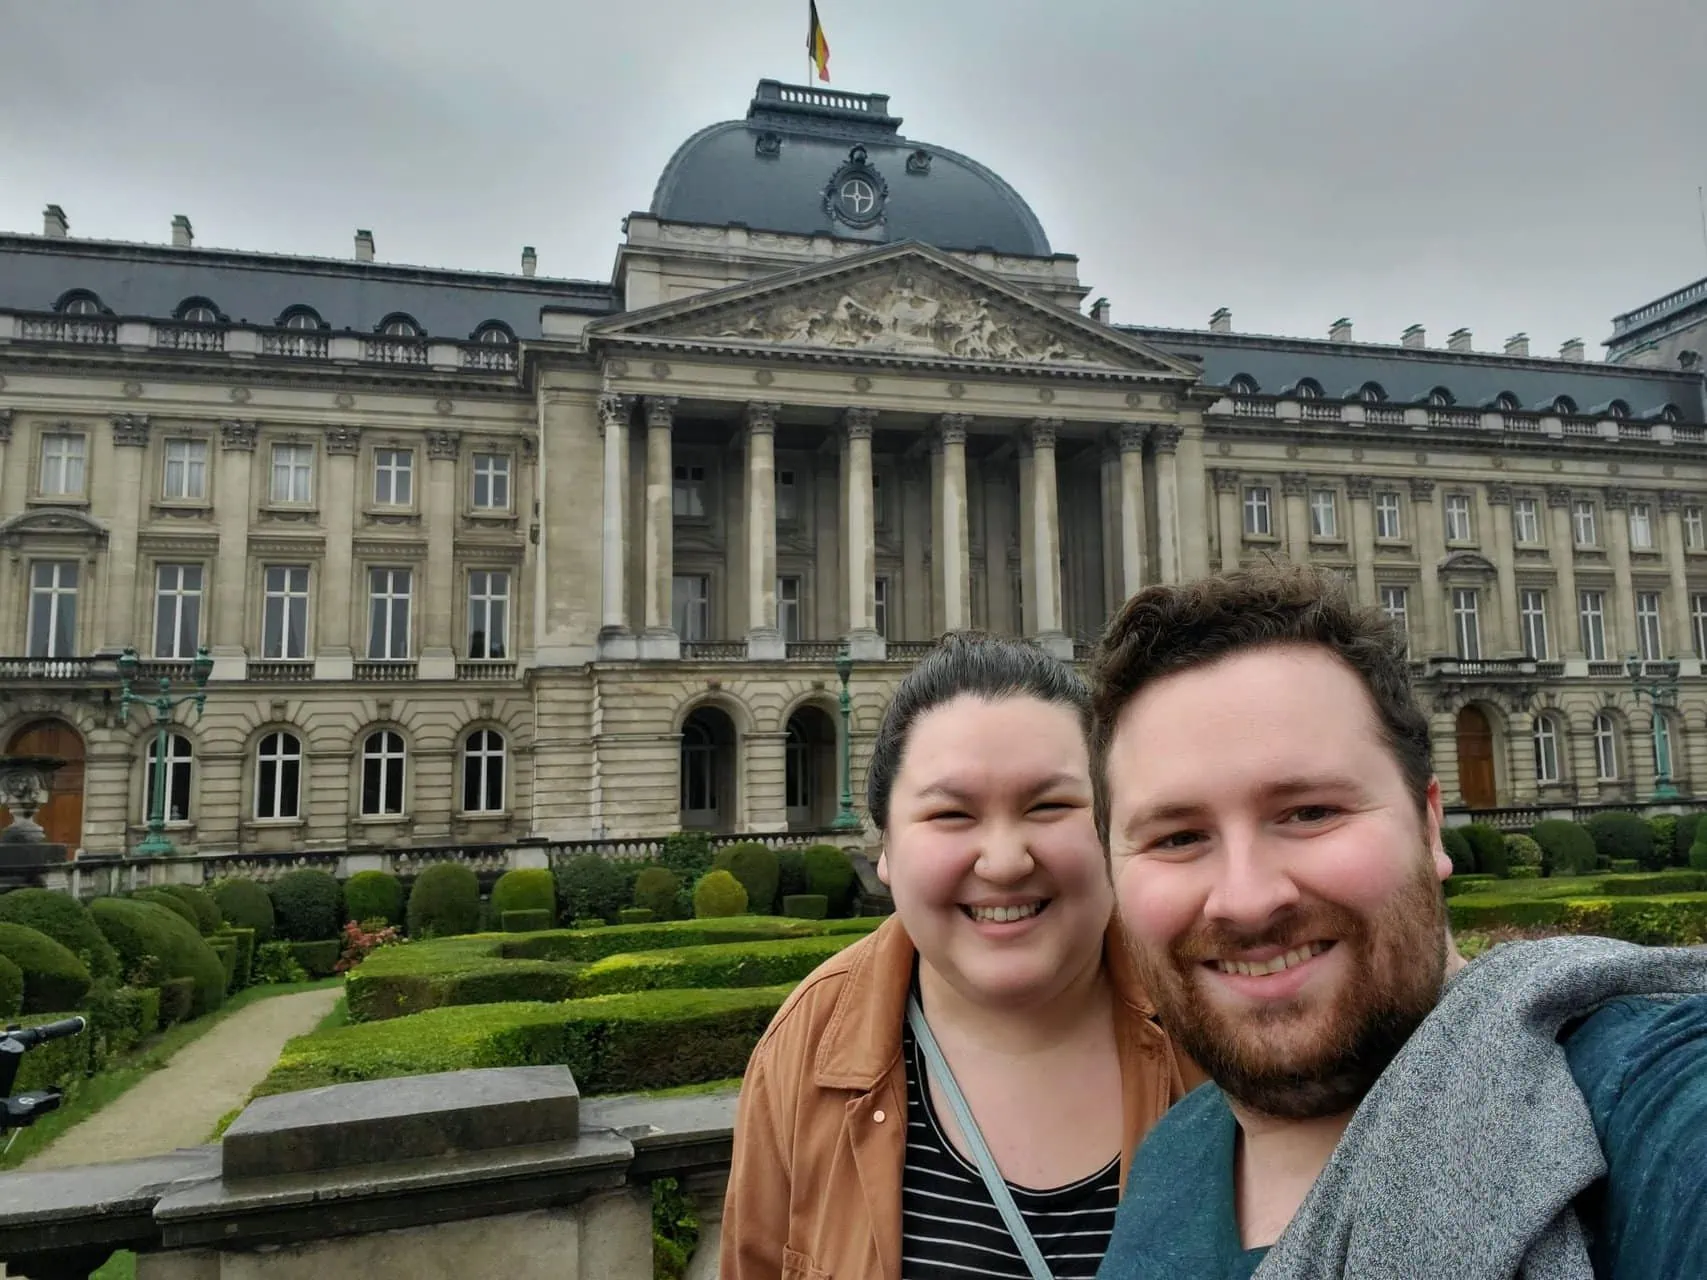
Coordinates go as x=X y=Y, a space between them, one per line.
x=817 y=46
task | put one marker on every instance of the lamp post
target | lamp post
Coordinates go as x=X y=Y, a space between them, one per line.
x=156 y=844
x=846 y=819
x=1661 y=691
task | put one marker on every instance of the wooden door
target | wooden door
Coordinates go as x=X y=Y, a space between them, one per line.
x=1476 y=759
x=62 y=816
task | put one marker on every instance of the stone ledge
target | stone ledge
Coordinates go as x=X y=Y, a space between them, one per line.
x=670 y=1136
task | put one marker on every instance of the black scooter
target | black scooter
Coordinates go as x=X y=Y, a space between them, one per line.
x=21 y=1109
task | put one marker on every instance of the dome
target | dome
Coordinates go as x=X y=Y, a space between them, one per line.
x=808 y=161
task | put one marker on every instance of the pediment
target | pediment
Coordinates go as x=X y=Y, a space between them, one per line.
x=52 y=522
x=904 y=302
x=1467 y=562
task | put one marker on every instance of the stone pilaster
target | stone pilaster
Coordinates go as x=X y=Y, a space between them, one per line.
x=859 y=550
x=130 y=448
x=1563 y=538
x=1360 y=489
x=951 y=558
x=1295 y=503
x=343 y=611
x=1505 y=568
x=435 y=600
x=233 y=497
x=1621 y=616
x=764 y=641
x=1431 y=546
x=1043 y=572
x=1679 y=642
x=1130 y=440
x=1228 y=517
x=616 y=637
x=1166 y=443
x=660 y=639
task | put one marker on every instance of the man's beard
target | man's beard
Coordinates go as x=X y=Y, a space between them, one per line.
x=1394 y=964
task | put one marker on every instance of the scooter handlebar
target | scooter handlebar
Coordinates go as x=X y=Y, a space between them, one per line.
x=30 y=1037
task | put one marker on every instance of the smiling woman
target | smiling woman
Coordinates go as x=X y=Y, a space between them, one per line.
x=905 y=1113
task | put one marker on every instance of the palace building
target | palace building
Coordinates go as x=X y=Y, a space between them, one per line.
x=485 y=557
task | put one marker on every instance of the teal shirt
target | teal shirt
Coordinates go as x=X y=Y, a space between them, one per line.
x=1642 y=1067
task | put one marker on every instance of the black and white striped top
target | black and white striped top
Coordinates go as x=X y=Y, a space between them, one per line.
x=951 y=1229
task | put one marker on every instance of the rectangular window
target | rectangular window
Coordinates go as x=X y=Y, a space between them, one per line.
x=1387 y=521
x=293 y=473
x=62 y=463
x=389 y=592
x=788 y=608
x=1396 y=604
x=177 y=610
x=53 y=609
x=1532 y=615
x=1458 y=525
x=879 y=503
x=186 y=470
x=1694 y=529
x=1466 y=623
x=1546 y=750
x=491 y=482
x=1649 y=646
x=488 y=614
x=1591 y=621
x=393 y=477
x=1526 y=521
x=1605 y=748
x=1698 y=622
x=1258 y=523
x=690 y=606
x=688 y=493
x=1641 y=527
x=178 y=761
x=880 y=613
x=787 y=499
x=284 y=616
x=1324 y=514
x=1582 y=523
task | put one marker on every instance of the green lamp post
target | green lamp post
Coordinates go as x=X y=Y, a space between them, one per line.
x=1661 y=692
x=846 y=818
x=156 y=844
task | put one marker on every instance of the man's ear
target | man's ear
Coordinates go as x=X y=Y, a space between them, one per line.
x=1442 y=863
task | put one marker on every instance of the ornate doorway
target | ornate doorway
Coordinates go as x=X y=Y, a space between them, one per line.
x=62 y=816
x=1476 y=759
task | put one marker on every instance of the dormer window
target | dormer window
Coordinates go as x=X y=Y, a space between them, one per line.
x=1565 y=405
x=79 y=302
x=1439 y=398
x=1371 y=393
x=1307 y=389
x=1243 y=385
x=1507 y=403
x=1618 y=409
x=1671 y=413
x=494 y=334
x=301 y=318
x=197 y=311
x=398 y=325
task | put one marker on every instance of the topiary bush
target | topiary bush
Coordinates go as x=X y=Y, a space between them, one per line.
x=524 y=921
x=591 y=888
x=755 y=866
x=1566 y=848
x=1523 y=872
x=319 y=959
x=806 y=906
x=1684 y=837
x=54 y=978
x=244 y=941
x=1521 y=852
x=635 y=915
x=226 y=949
x=148 y=938
x=1698 y=850
x=65 y=920
x=830 y=872
x=1664 y=830
x=1623 y=835
x=208 y=917
x=718 y=894
x=274 y=963
x=1458 y=850
x=308 y=906
x=790 y=873
x=177 y=1001
x=1487 y=842
x=172 y=902
x=532 y=889
x=688 y=854
x=245 y=904
x=11 y=989
x=444 y=901
x=655 y=889
x=373 y=895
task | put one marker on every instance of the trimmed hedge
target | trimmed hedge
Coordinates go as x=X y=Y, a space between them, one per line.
x=1623 y=835
x=755 y=866
x=394 y=981
x=373 y=895
x=655 y=889
x=119 y=1017
x=687 y=854
x=58 y=1064
x=1474 y=883
x=275 y=962
x=54 y=978
x=1521 y=852
x=142 y=929
x=1663 y=828
x=244 y=970
x=806 y=906
x=1566 y=848
x=226 y=950
x=1698 y=850
x=591 y=888
x=67 y=921
x=830 y=872
x=1684 y=837
x=1458 y=850
x=526 y=921
x=588 y=946
x=318 y=959
x=177 y=1001
x=752 y=964
x=1674 y=919
x=245 y=904
x=205 y=910
x=308 y=906
x=173 y=903
x=613 y=1044
x=1487 y=842
x=791 y=873
x=444 y=901
x=1626 y=866
x=529 y=889
x=718 y=895
x=636 y=915
x=11 y=989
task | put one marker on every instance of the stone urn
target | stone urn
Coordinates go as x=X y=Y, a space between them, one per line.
x=23 y=790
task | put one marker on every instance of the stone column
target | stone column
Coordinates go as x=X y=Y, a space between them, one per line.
x=436 y=603
x=343 y=613
x=130 y=448
x=1431 y=546
x=1565 y=571
x=1131 y=439
x=951 y=557
x=1295 y=501
x=1621 y=613
x=1679 y=642
x=1505 y=566
x=233 y=499
x=859 y=551
x=1228 y=517
x=1361 y=490
x=660 y=639
x=1166 y=440
x=764 y=640
x=1044 y=578
x=616 y=637
x=6 y=570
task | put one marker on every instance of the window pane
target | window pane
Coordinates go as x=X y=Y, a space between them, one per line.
x=289 y=786
x=372 y=794
x=394 y=787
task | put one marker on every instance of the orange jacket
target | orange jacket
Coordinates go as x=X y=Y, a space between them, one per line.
x=821 y=1128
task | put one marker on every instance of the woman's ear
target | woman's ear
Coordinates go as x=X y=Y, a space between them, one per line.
x=883 y=864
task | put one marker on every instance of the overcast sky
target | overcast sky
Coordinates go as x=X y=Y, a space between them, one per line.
x=1500 y=165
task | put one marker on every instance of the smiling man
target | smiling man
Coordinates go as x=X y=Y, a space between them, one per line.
x=1378 y=1109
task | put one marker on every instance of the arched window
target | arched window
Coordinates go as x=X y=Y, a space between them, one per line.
x=300 y=318
x=278 y=776
x=797 y=770
x=483 y=772
x=699 y=766
x=1507 y=403
x=1440 y=397
x=1618 y=409
x=1546 y=735
x=179 y=759
x=1307 y=389
x=494 y=333
x=1605 y=748
x=1671 y=413
x=398 y=325
x=1243 y=385
x=1372 y=393
x=197 y=311
x=1564 y=404
x=383 y=758
x=79 y=302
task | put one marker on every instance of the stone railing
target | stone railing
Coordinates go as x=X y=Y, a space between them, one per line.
x=50 y=668
x=1523 y=817
x=505 y=1172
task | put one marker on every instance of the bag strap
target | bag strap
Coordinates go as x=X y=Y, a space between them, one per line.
x=994 y=1183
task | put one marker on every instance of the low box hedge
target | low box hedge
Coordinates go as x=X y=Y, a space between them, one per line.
x=177 y=1001
x=373 y=994
x=318 y=959
x=806 y=906
x=613 y=1044
x=724 y=965
x=244 y=941
x=1674 y=919
x=226 y=950
x=636 y=915
x=1470 y=883
x=529 y=920
x=596 y=944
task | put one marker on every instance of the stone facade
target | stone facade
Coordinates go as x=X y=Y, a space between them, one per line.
x=583 y=572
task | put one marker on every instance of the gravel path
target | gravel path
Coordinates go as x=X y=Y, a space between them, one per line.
x=178 y=1105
